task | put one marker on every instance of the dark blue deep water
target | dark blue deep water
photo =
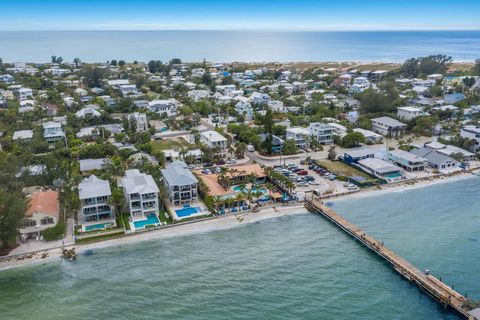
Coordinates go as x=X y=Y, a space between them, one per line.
x=246 y=46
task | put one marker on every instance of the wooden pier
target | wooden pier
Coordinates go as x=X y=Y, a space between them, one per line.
x=433 y=286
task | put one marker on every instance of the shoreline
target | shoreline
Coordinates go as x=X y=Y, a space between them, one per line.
x=404 y=186
x=220 y=223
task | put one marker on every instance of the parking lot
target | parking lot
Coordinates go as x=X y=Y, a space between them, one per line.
x=310 y=178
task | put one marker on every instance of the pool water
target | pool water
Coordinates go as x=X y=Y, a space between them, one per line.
x=263 y=191
x=96 y=227
x=151 y=220
x=187 y=211
x=393 y=175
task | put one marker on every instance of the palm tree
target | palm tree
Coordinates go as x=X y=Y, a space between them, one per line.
x=240 y=197
x=77 y=61
x=332 y=153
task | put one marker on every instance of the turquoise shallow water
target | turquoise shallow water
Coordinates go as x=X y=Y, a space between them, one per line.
x=297 y=267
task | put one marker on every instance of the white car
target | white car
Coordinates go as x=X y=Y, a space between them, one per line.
x=314 y=183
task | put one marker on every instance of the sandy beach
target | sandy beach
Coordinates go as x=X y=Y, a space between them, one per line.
x=222 y=222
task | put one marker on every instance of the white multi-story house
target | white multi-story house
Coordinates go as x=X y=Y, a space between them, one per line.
x=215 y=140
x=25 y=94
x=244 y=108
x=323 y=133
x=409 y=113
x=388 y=126
x=96 y=211
x=53 y=132
x=168 y=107
x=140 y=120
x=300 y=135
x=472 y=132
x=180 y=183
x=141 y=195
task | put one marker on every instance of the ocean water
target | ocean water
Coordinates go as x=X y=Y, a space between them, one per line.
x=293 y=267
x=246 y=46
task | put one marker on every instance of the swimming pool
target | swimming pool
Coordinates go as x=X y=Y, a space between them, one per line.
x=97 y=226
x=393 y=175
x=263 y=191
x=187 y=211
x=152 y=219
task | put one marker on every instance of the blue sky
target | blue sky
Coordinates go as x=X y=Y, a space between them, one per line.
x=244 y=14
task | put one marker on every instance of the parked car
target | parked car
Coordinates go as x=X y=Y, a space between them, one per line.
x=191 y=166
x=332 y=177
x=302 y=184
x=309 y=178
x=220 y=162
x=207 y=164
x=302 y=172
x=250 y=148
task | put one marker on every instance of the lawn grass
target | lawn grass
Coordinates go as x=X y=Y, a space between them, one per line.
x=173 y=143
x=100 y=238
x=341 y=169
x=163 y=219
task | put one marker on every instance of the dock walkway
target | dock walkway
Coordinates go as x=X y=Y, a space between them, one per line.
x=444 y=294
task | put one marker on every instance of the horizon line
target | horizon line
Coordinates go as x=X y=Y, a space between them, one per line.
x=250 y=29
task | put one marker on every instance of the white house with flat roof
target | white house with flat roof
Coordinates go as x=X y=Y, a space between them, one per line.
x=381 y=169
x=215 y=140
x=53 y=132
x=323 y=133
x=300 y=135
x=141 y=196
x=95 y=211
x=388 y=126
x=406 y=160
x=87 y=165
x=409 y=113
x=180 y=183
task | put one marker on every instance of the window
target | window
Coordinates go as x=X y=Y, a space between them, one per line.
x=47 y=220
x=30 y=223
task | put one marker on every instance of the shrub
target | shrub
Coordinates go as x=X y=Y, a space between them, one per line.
x=54 y=233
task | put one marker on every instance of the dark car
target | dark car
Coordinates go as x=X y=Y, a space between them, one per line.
x=309 y=178
x=220 y=162
x=207 y=164
x=302 y=172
